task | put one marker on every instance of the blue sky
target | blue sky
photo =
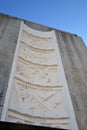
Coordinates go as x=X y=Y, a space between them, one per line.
x=66 y=15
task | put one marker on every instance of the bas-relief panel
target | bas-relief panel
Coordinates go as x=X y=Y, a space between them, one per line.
x=36 y=55
x=49 y=122
x=46 y=75
x=36 y=82
x=38 y=101
x=40 y=105
x=37 y=42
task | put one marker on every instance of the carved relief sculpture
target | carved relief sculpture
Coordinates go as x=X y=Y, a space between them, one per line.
x=36 y=55
x=39 y=95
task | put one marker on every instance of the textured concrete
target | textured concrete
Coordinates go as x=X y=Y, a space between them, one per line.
x=74 y=58
x=74 y=55
x=9 y=28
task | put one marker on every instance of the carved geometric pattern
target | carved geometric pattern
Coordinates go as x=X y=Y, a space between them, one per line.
x=37 y=83
x=36 y=86
x=37 y=74
x=62 y=122
x=39 y=103
x=36 y=55
x=37 y=42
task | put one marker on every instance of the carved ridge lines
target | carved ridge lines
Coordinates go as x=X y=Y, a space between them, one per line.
x=28 y=119
x=24 y=30
x=14 y=112
x=37 y=73
x=37 y=42
x=36 y=86
x=41 y=123
x=36 y=101
x=40 y=65
x=37 y=56
x=39 y=49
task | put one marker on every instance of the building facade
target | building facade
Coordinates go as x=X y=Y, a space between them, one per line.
x=43 y=75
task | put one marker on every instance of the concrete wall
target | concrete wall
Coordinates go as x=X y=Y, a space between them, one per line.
x=73 y=53
x=9 y=29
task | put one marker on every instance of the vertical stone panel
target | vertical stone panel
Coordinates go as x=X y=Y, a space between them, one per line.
x=38 y=91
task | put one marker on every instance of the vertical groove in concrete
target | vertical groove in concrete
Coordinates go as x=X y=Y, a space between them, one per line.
x=9 y=29
x=73 y=54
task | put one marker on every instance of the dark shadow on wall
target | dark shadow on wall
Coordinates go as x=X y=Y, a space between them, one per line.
x=15 y=126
